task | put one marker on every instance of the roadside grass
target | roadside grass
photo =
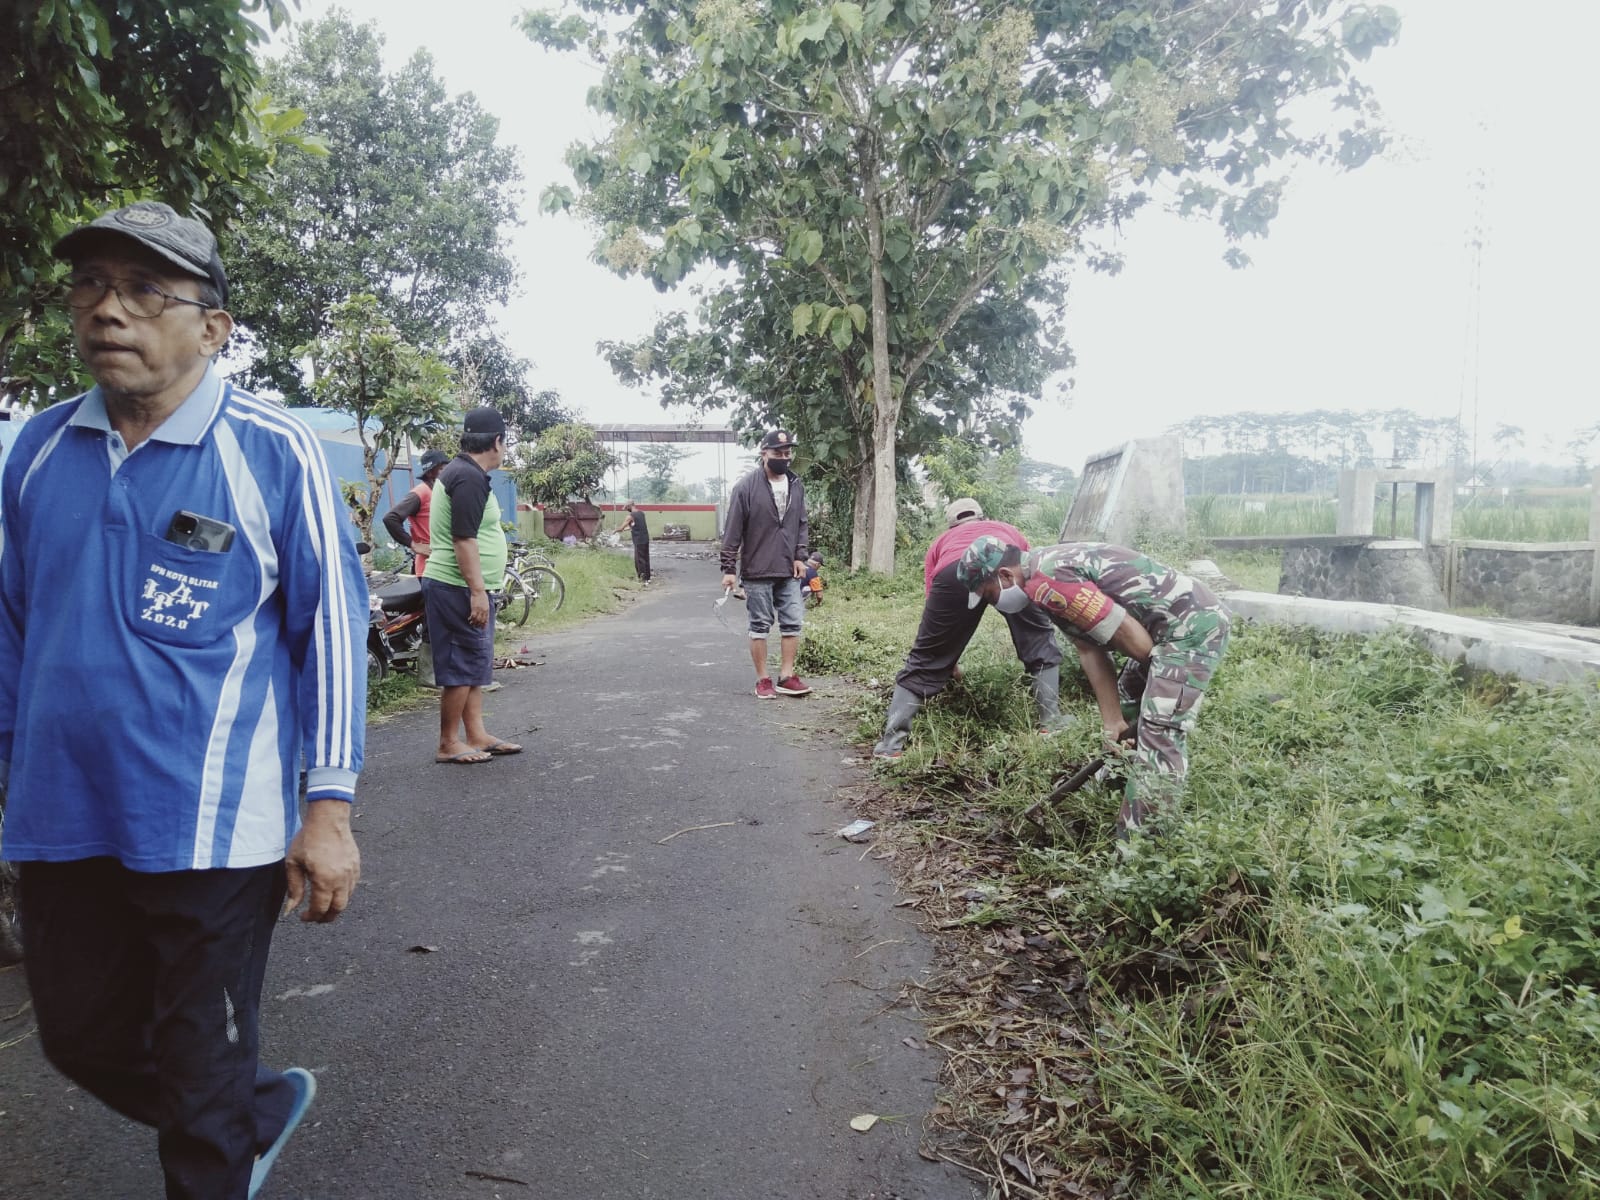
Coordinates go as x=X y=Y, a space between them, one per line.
x=1363 y=959
x=597 y=581
x=1252 y=570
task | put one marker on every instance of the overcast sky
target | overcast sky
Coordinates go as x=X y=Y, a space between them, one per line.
x=1357 y=299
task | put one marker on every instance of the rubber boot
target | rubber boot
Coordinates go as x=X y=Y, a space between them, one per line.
x=903 y=705
x=1047 y=699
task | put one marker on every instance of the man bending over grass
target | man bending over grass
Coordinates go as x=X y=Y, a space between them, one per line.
x=1106 y=598
x=948 y=623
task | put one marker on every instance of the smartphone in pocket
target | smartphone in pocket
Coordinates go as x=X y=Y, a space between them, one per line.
x=199 y=533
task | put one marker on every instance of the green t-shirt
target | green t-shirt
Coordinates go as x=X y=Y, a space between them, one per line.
x=464 y=506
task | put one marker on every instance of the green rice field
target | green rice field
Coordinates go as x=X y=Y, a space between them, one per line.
x=1514 y=518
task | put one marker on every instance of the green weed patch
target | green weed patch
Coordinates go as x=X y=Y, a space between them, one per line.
x=1361 y=961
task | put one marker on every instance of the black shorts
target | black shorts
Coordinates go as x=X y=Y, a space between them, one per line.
x=948 y=625
x=463 y=654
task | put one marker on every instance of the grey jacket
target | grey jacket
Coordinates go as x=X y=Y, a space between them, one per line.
x=752 y=530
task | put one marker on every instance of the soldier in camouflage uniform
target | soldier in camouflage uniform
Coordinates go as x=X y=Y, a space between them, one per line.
x=1106 y=598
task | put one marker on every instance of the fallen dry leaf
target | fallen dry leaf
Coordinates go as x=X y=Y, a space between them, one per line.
x=864 y=1122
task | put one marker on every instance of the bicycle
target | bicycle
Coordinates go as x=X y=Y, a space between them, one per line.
x=531 y=578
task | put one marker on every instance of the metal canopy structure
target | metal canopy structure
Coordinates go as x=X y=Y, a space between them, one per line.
x=666 y=433
x=630 y=435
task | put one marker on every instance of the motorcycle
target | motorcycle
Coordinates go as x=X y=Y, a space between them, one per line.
x=395 y=628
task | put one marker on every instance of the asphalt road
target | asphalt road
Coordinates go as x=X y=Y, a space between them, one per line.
x=599 y=1015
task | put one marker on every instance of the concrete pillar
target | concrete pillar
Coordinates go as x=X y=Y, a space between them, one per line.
x=1444 y=508
x=1594 y=540
x=1422 y=513
x=1355 y=503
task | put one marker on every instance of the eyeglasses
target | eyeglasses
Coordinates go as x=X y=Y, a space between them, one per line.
x=139 y=298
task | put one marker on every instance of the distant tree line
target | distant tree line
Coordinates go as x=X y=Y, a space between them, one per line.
x=1304 y=452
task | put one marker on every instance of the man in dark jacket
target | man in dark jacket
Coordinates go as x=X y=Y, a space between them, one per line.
x=766 y=526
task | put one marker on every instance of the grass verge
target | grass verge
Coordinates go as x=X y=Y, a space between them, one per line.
x=1361 y=962
x=1252 y=570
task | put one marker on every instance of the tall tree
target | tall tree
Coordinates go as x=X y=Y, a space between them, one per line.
x=492 y=373
x=661 y=461
x=895 y=169
x=961 y=467
x=1046 y=476
x=410 y=205
x=395 y=393
x=105 y=103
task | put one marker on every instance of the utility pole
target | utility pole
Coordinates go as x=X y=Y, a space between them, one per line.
x=1477 y=238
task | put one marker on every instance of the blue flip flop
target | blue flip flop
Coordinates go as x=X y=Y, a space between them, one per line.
x=305 y=1086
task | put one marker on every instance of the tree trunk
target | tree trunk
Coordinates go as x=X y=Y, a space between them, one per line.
x=885 y=400
x=861 y=515
x=369 y=461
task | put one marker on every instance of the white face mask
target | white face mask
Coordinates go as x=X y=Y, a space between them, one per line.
x=1012 y=599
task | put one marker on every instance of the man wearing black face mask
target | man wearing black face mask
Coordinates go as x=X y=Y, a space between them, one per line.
x=767 y=525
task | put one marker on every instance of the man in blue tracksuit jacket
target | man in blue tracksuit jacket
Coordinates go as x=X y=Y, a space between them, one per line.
x=151 y=751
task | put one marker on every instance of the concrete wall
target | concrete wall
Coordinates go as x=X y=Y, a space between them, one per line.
x=1339 y=568
x=1135 y=487
x=700 y=518
x=1539 y=655
x=1544 y=582
x=1152 y=490
x=1556 y=581
x=1482 y=645
x=1594 y=537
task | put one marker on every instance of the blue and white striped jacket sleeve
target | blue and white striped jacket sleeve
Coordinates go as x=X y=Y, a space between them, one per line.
x=325 y=612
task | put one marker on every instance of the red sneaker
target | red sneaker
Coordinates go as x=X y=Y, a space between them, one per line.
x=791 y=686
x=765 y=690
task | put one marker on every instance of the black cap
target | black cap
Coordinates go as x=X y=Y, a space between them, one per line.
x=182 y=241
x=432 y=460
x=777 y=439
x=484 y=420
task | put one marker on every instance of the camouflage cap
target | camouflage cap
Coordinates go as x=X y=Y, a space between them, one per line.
x=980 y=561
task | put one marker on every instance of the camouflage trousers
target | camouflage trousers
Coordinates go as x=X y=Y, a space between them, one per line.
x=1164 y=696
